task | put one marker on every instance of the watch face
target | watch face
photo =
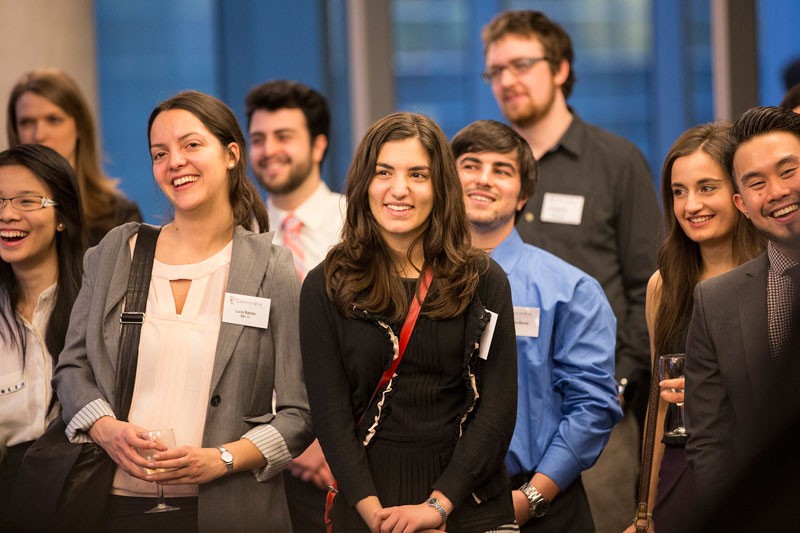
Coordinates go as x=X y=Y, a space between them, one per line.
x=227 y=456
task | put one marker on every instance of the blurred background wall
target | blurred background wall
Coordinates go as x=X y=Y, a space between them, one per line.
x=646 y=69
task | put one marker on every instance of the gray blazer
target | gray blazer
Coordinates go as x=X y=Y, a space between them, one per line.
x=727 y=368
x=249 y=363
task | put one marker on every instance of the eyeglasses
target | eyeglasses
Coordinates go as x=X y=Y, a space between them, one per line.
x=517 y=67
x=27 y=203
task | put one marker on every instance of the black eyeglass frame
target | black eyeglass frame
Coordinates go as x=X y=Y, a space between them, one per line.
x=517 y=67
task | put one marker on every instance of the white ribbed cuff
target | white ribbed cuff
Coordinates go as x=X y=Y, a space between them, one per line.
x=78 y=428
x=272 y=446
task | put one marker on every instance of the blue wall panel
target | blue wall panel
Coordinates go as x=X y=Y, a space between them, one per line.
x=150 y=49
x=778 y=44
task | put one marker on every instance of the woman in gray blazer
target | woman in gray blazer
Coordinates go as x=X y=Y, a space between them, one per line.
x=207 y=365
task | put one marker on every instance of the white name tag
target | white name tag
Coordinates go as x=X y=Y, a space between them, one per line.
x=246 y=310
x=486 y=336
x=562 y=208
x=526 y=321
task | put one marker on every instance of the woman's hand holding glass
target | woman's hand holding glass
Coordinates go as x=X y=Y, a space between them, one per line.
x=672 y=390
x=120 y=440
x=182 y=465
x=186 y=465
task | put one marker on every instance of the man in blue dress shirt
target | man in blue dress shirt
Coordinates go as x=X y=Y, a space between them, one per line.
x=566 y=335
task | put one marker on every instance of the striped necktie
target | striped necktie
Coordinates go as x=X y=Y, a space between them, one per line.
x=291 y=227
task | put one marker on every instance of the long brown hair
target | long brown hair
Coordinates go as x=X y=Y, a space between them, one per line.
x=679 y=259
x=360 y=270
x=245 y=201
x=97 y=190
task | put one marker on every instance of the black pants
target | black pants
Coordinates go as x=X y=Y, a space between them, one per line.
x=9 y=468
x=569 y=511
x=306 y=504
x=127 y=515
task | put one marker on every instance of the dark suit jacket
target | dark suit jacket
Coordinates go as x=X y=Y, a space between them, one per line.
x=249 y=363
x=727 y=370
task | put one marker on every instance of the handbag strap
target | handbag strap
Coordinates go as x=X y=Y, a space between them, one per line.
x=405 y=335
x=642 y=519
x=132 y=316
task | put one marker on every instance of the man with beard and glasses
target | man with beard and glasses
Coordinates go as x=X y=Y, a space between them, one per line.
x=595 y=207
x=289 y=124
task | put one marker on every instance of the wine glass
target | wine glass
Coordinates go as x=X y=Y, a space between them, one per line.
x=164 y=437
x=671 y=367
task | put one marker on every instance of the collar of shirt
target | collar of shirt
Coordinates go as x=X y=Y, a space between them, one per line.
x=574 y=138
x=44 y=305
x=311 y=212
x=778 y=262
x=507 y=252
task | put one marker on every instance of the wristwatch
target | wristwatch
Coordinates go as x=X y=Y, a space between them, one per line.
x=227 y=458
x=434 y=502
x=539 y=505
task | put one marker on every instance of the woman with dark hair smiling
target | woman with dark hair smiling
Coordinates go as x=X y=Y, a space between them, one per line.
x=202 y=369
x=41 y=254
x=705 y=236
x=428 y=435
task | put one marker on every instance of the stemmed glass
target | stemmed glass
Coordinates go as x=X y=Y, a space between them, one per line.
x=671 y=367
x=163 y=437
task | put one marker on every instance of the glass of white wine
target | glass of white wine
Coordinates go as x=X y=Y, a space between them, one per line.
x=164 y=437
x=671 y=367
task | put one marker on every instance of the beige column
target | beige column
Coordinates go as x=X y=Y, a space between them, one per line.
x=46 y=33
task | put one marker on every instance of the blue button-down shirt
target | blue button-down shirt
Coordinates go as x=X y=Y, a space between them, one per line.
x=567 y=402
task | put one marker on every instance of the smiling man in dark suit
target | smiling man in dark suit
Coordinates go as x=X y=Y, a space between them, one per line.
x=741 y=329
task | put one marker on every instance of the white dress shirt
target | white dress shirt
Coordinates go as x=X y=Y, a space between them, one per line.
x=25 y=391
x=176 y=359
x=322 y=215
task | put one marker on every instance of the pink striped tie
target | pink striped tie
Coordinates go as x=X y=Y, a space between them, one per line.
x=291 y=226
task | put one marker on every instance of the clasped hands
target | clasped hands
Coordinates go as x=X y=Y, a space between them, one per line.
x=407 y=519
x=183 y=465
x=403 y=518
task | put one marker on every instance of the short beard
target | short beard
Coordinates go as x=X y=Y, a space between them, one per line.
x=533 y=114
x=297 y=176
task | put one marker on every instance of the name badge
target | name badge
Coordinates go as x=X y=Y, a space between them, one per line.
x=526 y=321
x=486 y=336
x=246 y=310
x=562 y=208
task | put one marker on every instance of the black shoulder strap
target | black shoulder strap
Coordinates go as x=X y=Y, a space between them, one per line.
x=132 y=317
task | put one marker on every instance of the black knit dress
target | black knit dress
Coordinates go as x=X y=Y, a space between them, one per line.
x=420 y=428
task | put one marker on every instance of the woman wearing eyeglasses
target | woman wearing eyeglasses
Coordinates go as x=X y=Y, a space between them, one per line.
x=41 y=253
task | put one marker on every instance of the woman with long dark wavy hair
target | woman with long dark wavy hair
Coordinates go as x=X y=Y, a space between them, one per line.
x=705 y=236
x=427 y=447
x=47 y=107
x=41 y=253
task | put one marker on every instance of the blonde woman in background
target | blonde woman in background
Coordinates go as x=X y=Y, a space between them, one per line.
x=47 y=107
